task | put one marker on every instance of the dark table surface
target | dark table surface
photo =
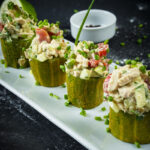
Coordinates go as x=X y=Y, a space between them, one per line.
x=22 y=127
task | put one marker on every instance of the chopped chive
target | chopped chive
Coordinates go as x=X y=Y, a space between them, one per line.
x=37 y=83
x=148 y=55
x=110 y=61
x=83 y=112
x=110 y=98
x=108 y=130
x=65 y=55
x=63 y=85
x=139 y=41
x=58 y=22
x=116 y=67
x=137 y=144
x=106 y=41
x=117 y=62
x=54 y=37
x=62 y=67
x=107 y=121
x=51 y=94
x=7 y=72
x=65 y=96
x=71 y=64
x=23 y=49
x=55 y=96
x=108 y=50
x=145 y=36
x=103 y=108
x=20 y=76
x=142 y=69
x=2 y=61
x=73 y=56
x=104 y=68
x=59 y=48
x=5 y=65
x=128 y=62
x=98 y=118
x=75 y=10
x=106 y=116
x=133 y=62
x=122 y=44
x=140 y=25
x=97 y=57
x=67 y=103
x=82 y=24
x=137 y=58
x=84 y=54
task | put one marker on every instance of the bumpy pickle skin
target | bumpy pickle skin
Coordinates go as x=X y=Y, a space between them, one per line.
x=48 y=73
x=12 y=52
x=129 y=128
x=83 y=93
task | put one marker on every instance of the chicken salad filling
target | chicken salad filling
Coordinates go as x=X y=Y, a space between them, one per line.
x=48 y=43
x=128 y=89
x=88 y=60
x=15 y=23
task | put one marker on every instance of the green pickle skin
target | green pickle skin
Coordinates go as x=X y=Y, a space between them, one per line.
x=86 y=94
x=48 y=73
x=129 y=128
x=12 y=51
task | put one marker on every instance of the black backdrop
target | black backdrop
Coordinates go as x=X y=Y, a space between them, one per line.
x=21 y=127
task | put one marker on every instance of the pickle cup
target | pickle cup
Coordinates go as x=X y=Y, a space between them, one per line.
x=48 y=73
x=130 y=128
x=84 y=93
x=13 y=51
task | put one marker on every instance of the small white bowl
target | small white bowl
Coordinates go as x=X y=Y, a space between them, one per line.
x=105 y=19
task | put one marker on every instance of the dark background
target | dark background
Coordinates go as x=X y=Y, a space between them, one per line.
x=23 y=128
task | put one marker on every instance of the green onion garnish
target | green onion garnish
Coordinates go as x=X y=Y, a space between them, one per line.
x=107 y=121
x=139 y=41
x=20 y=76
x=63 y=85
x=108 y=130
x=82 y=24
x=75 y=10
x=106 y=41
x=65 y=96
x=67 y=103
x=110 y=98
x=37 y=83
x=83 y=112
x=137 y=144
x=142 y=69
x=140 y=25
x=103 y=108
x=98 y=118
x=62 y=67
x=122 y=44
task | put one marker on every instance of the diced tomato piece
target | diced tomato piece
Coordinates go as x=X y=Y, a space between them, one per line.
x=93 y=63
x=106 y=82
x=43 y=35
x=1 y=27
x=102 y=49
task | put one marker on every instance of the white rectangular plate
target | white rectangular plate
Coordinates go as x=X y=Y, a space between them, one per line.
x=86 y=130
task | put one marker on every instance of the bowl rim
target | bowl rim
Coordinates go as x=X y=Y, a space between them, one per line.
x=94 y=28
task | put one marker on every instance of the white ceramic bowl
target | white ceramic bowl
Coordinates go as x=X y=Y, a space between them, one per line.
x=105 y=19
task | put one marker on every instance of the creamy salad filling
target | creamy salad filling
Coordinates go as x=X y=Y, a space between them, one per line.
x=48 y=43
x=88 y=60
x=128 y=89
x=16 y=23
